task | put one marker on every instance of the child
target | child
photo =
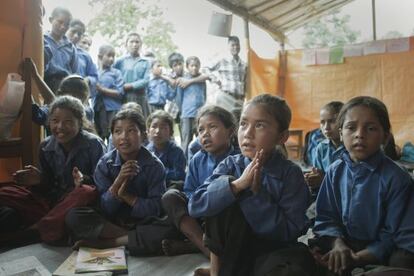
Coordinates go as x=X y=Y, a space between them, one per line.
x=68 y=158
x=61 y=57
x=85 y=42
x=160 y=134
x=130 y=181
x=190 y=99
x=362 y=197
x=136 y=73
x=254 y=202
x=329 y=149
x=109 y=89
x=216 y=128
x=158 y=90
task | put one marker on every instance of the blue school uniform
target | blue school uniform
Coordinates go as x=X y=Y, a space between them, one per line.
x=363 y=201
x=191 y=98
x=193 y=148
x=326 y=154
x=315 y=137
x=61 y=58
x=57 y=166
x=173 y=159
x=148 y=185
x=405 y=235
x=87 y=68
x=112 y=78
x=201 y=167
x=135 y=70
x=158 y=91
x=276 y=212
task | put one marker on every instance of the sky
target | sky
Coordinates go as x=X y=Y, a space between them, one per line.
x=191 y=20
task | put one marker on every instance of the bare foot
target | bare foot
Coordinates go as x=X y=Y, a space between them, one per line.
x=178 y=247
x=202 y=271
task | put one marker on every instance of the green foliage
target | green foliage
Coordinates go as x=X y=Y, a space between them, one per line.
x=331 y=30
x=117 y=18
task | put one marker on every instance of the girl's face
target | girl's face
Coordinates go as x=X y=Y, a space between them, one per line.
x=258 y=130
x=75 y=33
x=328 y=125
x=85 y=43
x=159 y=132
x=60 y=24
x=108 y=59
x=214 y=137
x=64 y=126
x=362 y=133
x=127 y=139
x=193 y=68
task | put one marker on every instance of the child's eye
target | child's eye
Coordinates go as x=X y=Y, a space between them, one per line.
x=260 y=125
x=242 y=123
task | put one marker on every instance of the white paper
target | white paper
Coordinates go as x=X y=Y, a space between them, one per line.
x=398 y=45
x=67 y=268
x=352 y=50
x=28 y=266
x=309 y=57
x=374 y=47
x=322 y=56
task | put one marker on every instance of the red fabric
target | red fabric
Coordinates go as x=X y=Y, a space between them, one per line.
x=30 y=206
x=52 y=226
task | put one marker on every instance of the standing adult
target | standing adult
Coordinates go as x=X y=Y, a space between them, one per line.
x=230 y=74
x=136 y=72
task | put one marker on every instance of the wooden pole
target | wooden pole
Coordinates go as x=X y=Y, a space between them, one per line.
x=247 y=85
x=374 y=23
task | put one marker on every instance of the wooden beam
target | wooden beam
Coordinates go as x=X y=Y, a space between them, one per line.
x=273 y=31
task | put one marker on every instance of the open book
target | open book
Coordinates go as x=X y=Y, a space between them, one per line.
x=96 y=260
x=67 y=268
x=28 y=266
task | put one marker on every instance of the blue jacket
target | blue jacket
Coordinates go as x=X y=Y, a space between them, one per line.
x=148 y=185
x=276 y=212
x=363 y=201
x=158 y=91
x=326 y=154
x=191 y=98
x=86 y=68
x=134 y=70
x=60 y=59
x=112 y=78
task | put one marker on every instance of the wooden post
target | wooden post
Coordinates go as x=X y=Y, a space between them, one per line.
x=374 y=22
x=247 y=85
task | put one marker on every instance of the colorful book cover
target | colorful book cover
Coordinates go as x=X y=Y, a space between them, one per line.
x=95 y=260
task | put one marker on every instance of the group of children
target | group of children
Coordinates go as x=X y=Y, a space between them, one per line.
x=238 y=200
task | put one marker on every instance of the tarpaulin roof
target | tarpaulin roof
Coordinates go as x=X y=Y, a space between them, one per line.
x=279 y=16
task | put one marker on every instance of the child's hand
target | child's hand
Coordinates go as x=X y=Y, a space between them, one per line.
x=340 y=258
x=128 y=170
x=125 y=196
x=29 y=176
x=250 y=176
x=317 y=255
x=314 y=178
x=128 y=87
x=183 y=83
x=77 y=176
x=98 y=87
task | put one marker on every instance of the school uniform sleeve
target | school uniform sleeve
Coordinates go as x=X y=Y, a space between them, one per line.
x=191 y=179
x=103 y=181
x=170 y=92
x=118 y=82
x=215 y=193
x=97 y=150
x=91 y=72
x=318 y=156
x=178 y=162
x=397 y=199
x=328 y=221
x=142 y=77
x=73 y=63
x=150 y=205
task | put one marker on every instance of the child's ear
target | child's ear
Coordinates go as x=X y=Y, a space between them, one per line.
x=340 y=135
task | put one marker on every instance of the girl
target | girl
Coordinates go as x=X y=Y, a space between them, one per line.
x=329 y=149
x=363 y=195
x=216 y=127
x=255 y=201
x=67 y=160
x=130 y=181
x=160 y=126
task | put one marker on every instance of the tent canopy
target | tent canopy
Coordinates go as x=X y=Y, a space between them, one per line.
x=279 y=16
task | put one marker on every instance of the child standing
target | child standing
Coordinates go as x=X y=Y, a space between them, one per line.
x=130 y=181
x=190 y=99
x=254 y=202
x=362 y=197
x=160 y=127
x=109 y=88
x=136 y=72
x=158 y=90
x=61 y=57
x=68 y=158
x=328 y=150
x=216 y=127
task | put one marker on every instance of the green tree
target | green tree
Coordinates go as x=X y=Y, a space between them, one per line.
x=115 y=19
x=328 y=31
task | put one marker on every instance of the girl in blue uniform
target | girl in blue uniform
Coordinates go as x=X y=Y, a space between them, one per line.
x=362 y=197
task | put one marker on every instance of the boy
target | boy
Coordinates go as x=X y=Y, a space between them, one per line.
x=189 y=100
x=158 y=89
x=109 y=88
x=160 y=133
x=136 y=72
x=61 y=57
